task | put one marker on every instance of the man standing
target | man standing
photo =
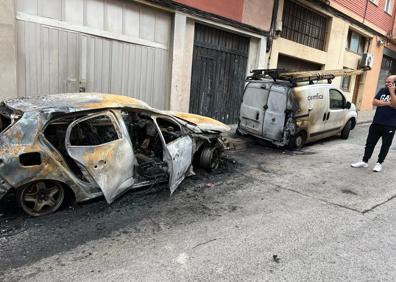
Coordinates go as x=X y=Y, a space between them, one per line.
x=383 y=126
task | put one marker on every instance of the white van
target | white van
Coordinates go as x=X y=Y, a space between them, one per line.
x=290 y=115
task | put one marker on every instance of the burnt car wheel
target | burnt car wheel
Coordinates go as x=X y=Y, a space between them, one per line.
x=297 y=141
x=210 y=158
x=41 y=197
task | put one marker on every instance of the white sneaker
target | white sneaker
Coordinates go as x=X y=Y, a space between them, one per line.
x=359 y=164
x=377 y=167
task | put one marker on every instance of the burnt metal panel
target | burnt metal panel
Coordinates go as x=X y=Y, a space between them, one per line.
x=218 y=73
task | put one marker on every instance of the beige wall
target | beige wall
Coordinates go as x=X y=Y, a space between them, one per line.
x=367 y=92
x=182 y=53
x=7 y=49
x=258 y=13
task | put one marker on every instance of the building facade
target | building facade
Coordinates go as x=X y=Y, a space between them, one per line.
x=185 y=55
x=334 y=35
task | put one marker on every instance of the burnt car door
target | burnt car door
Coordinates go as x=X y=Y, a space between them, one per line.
x=178 y=149
x=100 y=145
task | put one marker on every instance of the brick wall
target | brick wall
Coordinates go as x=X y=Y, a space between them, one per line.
x=256 y=13
x=231 y=9
x=374 y=14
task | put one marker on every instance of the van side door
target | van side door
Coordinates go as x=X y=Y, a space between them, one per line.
x=336 y=113
x=317 y=107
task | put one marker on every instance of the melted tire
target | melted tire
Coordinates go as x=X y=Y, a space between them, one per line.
x=210 y=158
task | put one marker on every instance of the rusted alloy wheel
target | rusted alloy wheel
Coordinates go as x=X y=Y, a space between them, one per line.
x=41 y=197
x=210 y=158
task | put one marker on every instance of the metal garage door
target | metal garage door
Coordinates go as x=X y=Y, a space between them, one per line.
x=93 y=46
x=218 y=73
x=295 y=64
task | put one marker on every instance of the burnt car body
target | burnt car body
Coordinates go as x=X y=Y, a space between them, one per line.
x=95 y=144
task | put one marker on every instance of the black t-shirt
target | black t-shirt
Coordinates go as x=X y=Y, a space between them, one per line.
x=384 y=115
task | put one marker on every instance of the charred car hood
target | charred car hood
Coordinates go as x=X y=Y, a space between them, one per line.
x=202 y=122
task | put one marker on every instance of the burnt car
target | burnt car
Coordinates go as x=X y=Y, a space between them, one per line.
x=92 y=144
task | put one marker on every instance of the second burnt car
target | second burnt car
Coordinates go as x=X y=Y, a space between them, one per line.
x=93 y=144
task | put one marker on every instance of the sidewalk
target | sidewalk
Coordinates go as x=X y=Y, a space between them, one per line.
x=234 y=142
x=365 y=116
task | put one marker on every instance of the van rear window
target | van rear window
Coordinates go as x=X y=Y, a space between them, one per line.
x=4 y=122
x=255 y=95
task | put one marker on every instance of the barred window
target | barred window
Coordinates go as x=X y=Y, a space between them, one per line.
x=346 y=82
x=304 y=26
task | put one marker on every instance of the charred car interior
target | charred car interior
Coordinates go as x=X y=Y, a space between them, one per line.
x=98 y=145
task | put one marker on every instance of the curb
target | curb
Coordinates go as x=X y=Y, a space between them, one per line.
x=236 y=143
x=363 y=122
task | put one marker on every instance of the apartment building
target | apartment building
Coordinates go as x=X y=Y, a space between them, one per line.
x=334 y=35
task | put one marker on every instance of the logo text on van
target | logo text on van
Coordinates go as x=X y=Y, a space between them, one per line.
x=315 y=97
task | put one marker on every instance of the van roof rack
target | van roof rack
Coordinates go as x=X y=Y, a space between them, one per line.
x=295 y=77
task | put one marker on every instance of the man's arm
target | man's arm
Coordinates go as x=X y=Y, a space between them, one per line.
x=380 y=103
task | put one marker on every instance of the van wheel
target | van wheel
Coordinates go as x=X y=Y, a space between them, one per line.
x=346 y=130
x=297 y=141
x=41 y=197
x=210 y=158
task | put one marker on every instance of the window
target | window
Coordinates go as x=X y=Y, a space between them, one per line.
x=356 y=42
x=388 y=6
x=337 y=100
x=346 y=82
x=374 y=2
x=94 y=131
x=304 y=26
x=170 y=130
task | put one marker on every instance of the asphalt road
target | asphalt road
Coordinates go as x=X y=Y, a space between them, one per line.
x=268 y=215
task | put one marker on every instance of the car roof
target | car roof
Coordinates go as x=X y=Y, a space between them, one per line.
x=74 y=102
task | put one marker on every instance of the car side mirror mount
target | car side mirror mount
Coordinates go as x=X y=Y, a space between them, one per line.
x=348 y=105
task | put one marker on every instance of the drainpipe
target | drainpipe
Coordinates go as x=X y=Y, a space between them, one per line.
x=365 y=11
x=272 y=30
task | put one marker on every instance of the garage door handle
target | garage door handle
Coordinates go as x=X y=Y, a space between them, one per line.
x=257 y=115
